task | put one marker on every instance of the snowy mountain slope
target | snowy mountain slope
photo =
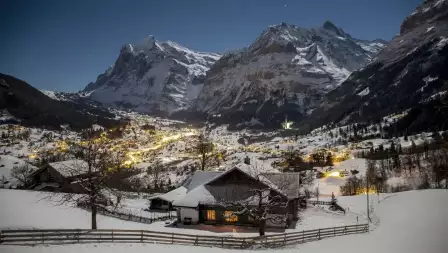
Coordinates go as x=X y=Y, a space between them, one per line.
x=409 y=73
x=287 y=68
x=152 y=76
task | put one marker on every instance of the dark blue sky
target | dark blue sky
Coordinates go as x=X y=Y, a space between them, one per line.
x=63 y=45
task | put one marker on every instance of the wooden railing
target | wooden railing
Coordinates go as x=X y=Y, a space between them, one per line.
x=132 y=217
x=327 y=203
x=315 y=202
x=62 y=236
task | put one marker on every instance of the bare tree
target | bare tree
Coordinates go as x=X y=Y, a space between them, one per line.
x=259 y=197
x=21 y=173
x=203 y=149
x=293 y=159
x=95 y=170
x=154 y=173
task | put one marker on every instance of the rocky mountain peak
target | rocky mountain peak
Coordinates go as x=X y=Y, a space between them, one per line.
x=430 y=11
x=152 y=76
x=287 y=68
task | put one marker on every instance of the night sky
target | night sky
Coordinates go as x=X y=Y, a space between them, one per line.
x=63 y=45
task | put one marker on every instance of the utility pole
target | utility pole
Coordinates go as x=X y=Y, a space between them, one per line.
x=367 y=191
x=318 y=193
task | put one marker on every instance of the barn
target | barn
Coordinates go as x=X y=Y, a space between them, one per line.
x=207 y=192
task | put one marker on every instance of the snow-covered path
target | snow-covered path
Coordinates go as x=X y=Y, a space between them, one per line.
x=411 y=222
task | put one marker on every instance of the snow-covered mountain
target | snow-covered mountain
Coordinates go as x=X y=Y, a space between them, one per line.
x=152 y=76
x=408 y=75
x=285 y=71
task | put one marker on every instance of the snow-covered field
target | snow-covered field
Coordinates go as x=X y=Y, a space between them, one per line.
x=31 y=209
x=408 y=222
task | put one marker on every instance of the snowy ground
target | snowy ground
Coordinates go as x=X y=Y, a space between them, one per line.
x=7 y=163
x=30 y=209
x=410 y=222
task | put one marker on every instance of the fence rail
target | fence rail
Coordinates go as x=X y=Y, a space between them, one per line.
x=62 y=236
x=131 y=217
x=315 y=202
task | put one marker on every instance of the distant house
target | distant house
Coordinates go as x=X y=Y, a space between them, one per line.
x=60 y=177
x=206 y=191
x=165 y=201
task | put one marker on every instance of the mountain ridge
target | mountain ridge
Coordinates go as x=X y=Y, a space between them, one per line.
x=286 y=70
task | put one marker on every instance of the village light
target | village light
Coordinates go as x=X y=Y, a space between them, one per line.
x=334 y=174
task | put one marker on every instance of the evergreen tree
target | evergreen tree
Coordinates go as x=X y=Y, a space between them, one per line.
x=333 y=199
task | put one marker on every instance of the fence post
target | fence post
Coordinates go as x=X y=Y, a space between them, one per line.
x=197 y=240
x=1 y=237
x=172 y=238
x=42 y=237
x=112 y=235
x=284 y=239
x=141 y=236
x=334 y=231
x=303 y=236
x=243 y=243
x=345 y=230
x=222 y=242
x=318 y=233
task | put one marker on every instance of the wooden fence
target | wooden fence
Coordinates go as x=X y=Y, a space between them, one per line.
x=315 y=202
x=63 y=236
x=327 y=203
x=131 y=217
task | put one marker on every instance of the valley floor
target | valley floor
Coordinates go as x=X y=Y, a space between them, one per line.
x=408 y=222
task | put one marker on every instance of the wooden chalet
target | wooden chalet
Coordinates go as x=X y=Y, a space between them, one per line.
x=209 y=194
x=60 y=177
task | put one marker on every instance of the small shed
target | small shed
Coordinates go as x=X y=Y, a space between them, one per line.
x=165 y=201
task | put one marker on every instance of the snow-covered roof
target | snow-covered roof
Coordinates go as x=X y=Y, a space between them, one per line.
x=201 y=192
x=173 y=195
x=286 y=183
x=202 y=177
x=70 y=168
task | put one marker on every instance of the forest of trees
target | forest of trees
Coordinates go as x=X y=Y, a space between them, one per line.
x=429 y=161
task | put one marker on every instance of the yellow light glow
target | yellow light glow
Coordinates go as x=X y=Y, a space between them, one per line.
x=32 y=156
x=334 y=174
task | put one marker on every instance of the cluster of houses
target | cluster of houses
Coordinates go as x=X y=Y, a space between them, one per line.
x=202 y=198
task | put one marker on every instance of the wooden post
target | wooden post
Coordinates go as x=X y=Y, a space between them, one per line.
x=284 y=239
x=303 y=236
x=141 y=234
x=112 y=235
x=222 y=242
x=197 y=240
x=1 y=237
x=334 y=231
x=345 y=230
x=172 y=238
x=42 y=237
x=243 y=243
x=318 y=232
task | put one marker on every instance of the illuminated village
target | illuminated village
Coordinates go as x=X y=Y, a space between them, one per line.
x=161 y=168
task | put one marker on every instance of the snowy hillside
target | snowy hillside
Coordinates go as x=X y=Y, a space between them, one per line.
x=409 y=222
x=152 y=76
x=287 y=67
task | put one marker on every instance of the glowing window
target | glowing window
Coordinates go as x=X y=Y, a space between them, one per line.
x=230 y=217
x=211 y=215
